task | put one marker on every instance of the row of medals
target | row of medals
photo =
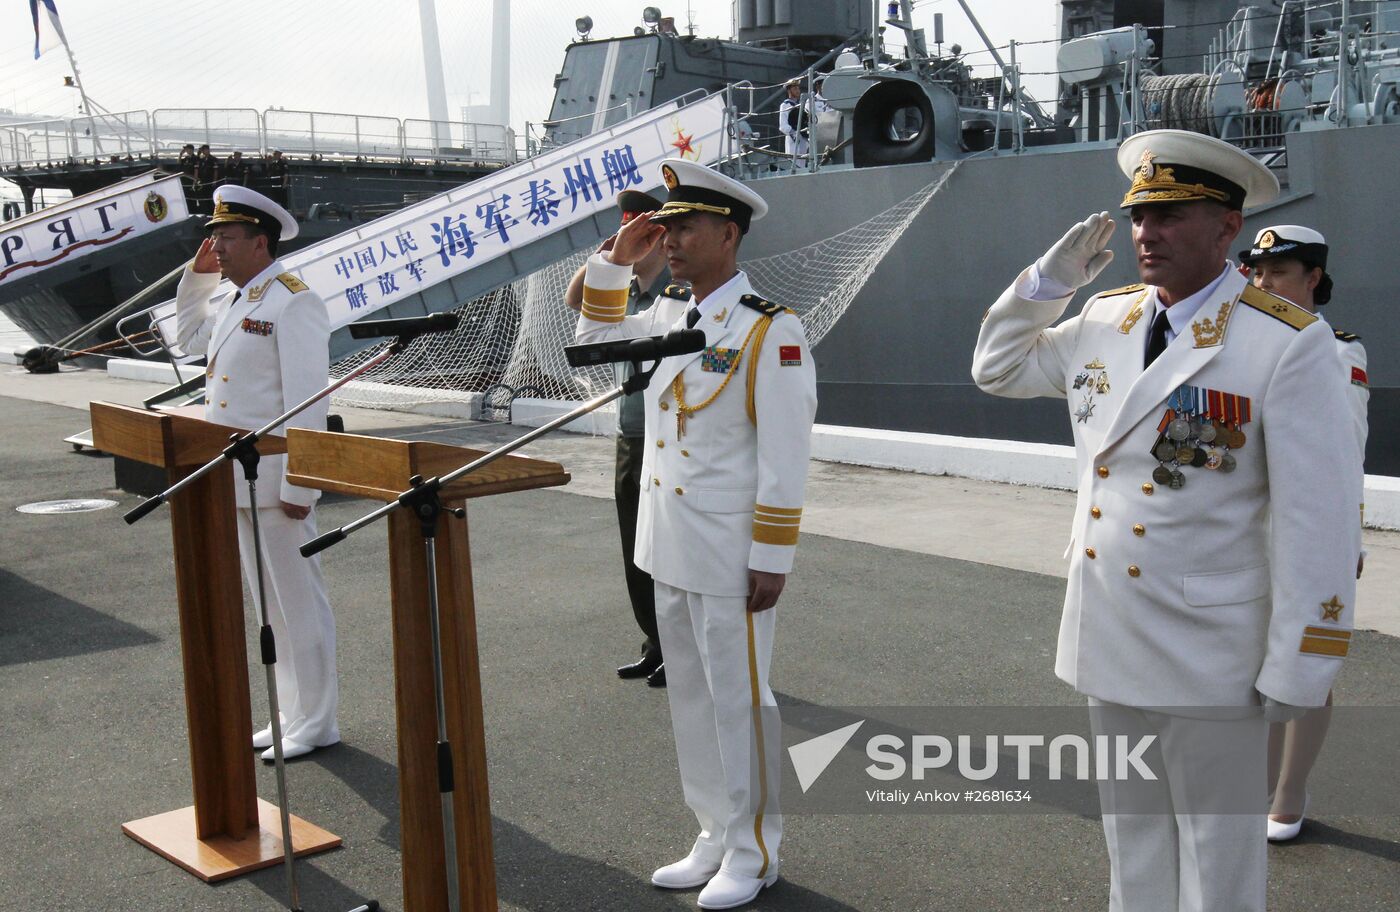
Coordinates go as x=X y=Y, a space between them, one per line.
x=1193 y=440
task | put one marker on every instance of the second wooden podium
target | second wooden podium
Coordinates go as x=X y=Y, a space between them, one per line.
x=380 y=469
x=228 y=830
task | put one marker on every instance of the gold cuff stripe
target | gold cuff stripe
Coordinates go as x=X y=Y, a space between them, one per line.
x=1332 y=632
x=602 y=318
x=1324 y=646
x=778 y=511
x=605 y=313
x=605 y=297
x=766 y=534
x=778 y=520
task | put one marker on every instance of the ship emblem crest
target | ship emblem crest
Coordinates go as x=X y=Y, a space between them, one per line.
x=155 y=207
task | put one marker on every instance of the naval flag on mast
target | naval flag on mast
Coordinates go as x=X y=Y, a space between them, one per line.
x=48 y=32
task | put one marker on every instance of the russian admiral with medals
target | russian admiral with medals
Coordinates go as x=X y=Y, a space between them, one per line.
x=1204 y=538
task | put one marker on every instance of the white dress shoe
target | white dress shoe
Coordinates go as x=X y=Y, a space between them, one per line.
x=1283 y=832
x=291 y=749
x=686 y=874
x=728 y=891
x=262 y=740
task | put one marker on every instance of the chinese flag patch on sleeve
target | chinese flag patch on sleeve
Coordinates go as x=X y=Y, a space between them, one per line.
x=1358 y=376
x=790 y=355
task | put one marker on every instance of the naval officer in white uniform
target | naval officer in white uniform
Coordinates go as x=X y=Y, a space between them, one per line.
x=1215 y=538
x=267 y=344
x=729 y=434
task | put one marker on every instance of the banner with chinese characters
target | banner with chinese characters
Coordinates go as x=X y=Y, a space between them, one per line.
x=66 y=232
x=363 y=270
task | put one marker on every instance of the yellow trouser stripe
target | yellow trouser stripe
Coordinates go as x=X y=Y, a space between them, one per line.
x=758 y=742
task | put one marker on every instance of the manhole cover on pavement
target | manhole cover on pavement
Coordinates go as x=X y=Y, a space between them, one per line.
x=66 y=506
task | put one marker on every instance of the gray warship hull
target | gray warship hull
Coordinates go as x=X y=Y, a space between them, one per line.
x=900 y=357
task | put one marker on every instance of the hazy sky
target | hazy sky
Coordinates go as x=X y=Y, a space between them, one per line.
x=365 y=56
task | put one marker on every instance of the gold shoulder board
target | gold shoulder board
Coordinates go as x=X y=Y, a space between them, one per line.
x=679 y=292
x=1124 y=290
x=760 y=305
x=1276 y=307
x=294 y=285
x=1344 y=336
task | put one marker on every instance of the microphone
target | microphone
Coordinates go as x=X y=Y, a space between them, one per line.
x=645 y=348
x=406 y=327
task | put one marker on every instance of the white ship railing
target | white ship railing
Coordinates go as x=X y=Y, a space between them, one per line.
x=161 y=133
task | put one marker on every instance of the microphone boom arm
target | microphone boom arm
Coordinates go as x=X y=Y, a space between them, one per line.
x=424 y=492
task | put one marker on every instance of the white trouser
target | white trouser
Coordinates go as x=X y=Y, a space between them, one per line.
x=301 y=619
x=1185 y=861
x=793 y=144
x=717 y=658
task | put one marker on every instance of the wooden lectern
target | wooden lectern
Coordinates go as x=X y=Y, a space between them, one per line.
x=380 y=469
x=229 y=830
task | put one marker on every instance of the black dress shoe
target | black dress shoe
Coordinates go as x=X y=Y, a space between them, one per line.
x=641 y=668
x=658 y=677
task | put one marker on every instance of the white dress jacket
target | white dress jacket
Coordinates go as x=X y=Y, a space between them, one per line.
x=725 y=495
x=1238 y=583
x=267 y=351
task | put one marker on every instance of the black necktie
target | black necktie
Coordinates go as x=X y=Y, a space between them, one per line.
x=692 y=317
x=1157 y=338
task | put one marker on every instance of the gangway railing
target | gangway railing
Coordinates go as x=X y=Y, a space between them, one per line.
x=160 y=133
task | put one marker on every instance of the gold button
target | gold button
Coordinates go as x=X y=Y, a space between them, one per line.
x=661 y=443
x=1089 y=553
x=1133 y=571
x=665 y=406
x=209 y=373
x=1095 y=512
x=1103 y=471
x=680 y=490
x=225 y=378
x=685 y=452
x=1139 y=529
x=656 y=481
x=223 y=405
x=1147 y=488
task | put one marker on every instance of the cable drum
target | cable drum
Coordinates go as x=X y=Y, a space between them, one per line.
x=1180 y=102
x=1209 y=104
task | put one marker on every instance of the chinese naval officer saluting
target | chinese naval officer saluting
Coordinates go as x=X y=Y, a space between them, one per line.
x=267 y=344
x=728 y=434
x=1215 y=538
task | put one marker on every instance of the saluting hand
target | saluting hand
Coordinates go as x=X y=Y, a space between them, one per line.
x=204 y=259
x=634 y=241
x=1079 y=256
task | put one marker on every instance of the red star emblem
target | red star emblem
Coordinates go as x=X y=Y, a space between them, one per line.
x=682 y=143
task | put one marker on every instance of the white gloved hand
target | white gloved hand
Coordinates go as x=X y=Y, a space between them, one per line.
x=1274 y=711
x=1079 y=256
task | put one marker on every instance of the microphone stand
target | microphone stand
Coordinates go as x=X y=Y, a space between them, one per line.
x=243 y=449
x=423 y=499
